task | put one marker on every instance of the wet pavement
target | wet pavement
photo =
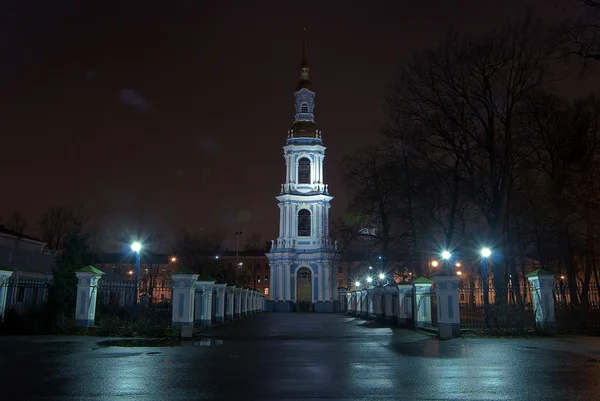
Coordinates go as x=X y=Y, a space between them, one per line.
x=300 y=357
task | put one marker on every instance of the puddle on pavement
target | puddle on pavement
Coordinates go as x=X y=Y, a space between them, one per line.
x=158 y=342
x=207 y=342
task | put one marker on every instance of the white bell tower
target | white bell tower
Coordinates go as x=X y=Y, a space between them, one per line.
x=300 y=259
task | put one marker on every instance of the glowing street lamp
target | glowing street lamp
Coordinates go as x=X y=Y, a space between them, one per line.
x=381 y=276
x=446 y=255
x=173 y=259
x=434 y=263
x=485 y=254
x=369 y=280
x=459 y=273
x=136 y=247
x=357 y=283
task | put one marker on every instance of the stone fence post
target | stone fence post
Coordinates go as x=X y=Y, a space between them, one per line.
x=230 y=290
x=238 y=302
x=422 y=288
x=184 y=289
x=391 y=313
x=87 y=292
x=543 y=299
x=405 y=305
x=220 y=304
x=4 y=277
x=448 y=312
x=205 y=285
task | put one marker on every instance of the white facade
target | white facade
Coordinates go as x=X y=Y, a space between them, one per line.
x=303 y=244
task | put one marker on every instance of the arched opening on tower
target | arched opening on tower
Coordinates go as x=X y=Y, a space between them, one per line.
x=303 y=223
x=304 y=290
x=304 y=171
x=304 y=108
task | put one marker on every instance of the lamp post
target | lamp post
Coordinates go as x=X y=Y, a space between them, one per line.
x=237 y=252
x=485 y=254
x=136 y=247
x=446 y=258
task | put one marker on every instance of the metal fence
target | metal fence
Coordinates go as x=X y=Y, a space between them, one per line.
x=576 y=311
x=507 y=309
x=26 y=294
x=116 y=300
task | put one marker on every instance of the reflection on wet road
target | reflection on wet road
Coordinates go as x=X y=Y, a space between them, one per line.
x=295 y=356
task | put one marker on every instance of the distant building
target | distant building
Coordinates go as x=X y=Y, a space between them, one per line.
x=26 y=256
x=303 y=277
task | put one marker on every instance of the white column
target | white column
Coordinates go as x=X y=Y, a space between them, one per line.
x=4 y=278
x=220 y=312
x=230 y=290
x=273 y=281
x=238 y=302
x=87 y=290
x=404 y=304
x=448 y=313
x=280 y=276
x=206 y=288
x=422 y=288
x=543 y=301
x=244 y=301
x=183 y=302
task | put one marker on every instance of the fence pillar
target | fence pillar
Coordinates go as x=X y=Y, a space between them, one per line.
x=220 y=304
x=182 y=316
x=4 y=277
x=350 y=302
x=230 y=290
x=448 y=312
x=405 y=307
x=422 y=288
x=540 y=282
x=238 y=302
x=390 y=311
x=378 y=294
x=205 y=285
x=371 y=303
x=244 y=302
x=87 y=291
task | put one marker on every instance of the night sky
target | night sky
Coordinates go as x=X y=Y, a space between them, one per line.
x=169 y=114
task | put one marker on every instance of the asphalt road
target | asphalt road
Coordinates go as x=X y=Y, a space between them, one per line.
x=299 y=357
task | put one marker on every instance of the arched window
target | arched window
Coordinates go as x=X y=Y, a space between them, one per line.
x=304 y=108
x=303 y=223
x=304 y=171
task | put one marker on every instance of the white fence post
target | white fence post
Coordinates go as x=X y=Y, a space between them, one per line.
x=87 y=291
x=4 y=277
x=543 y=298
x=448 y=312
x=184 y=290
x=422 y=289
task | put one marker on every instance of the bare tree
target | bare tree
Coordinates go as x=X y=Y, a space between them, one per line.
x=55 y=224
x=583 y=34
x=16 y=222
x=468 y=93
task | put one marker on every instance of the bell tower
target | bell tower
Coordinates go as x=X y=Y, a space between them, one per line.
x=300 y=258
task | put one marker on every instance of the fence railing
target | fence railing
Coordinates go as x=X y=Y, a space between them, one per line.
x=507 y=309
x=26 y=294
x=116 y=299
x=576 y=311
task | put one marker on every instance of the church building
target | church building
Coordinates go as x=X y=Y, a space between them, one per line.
x=302 y=275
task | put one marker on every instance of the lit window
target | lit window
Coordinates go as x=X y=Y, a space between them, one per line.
x=304 y=108
x=266 y=291
x=304 y=171
x=304 y=223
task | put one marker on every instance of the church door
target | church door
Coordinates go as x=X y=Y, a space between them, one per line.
x=304 y=290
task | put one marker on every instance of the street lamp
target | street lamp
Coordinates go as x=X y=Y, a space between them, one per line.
x=434 y=263
x=446 y=258
x=369 y=280
x=173 y=259
x=357 y=284
x=381 y=276
x=136 y=247
x=237 y=253
x=485 y=254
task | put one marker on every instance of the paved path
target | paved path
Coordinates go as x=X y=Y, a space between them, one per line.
x=298 y=357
